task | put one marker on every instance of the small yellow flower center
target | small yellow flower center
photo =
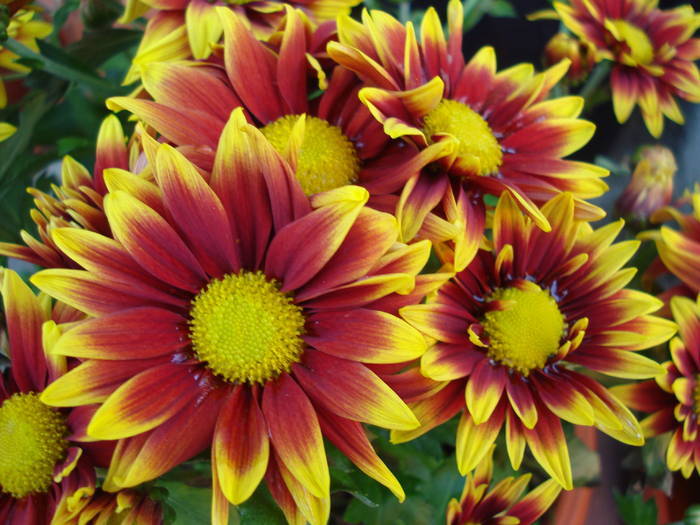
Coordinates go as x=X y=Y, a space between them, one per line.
x=525 y=331
x=477 y=142
x=641 y=49
x=245 y=329
x=32 y=441
x=327 y=158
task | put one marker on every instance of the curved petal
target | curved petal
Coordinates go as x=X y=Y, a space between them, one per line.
x=295 y=434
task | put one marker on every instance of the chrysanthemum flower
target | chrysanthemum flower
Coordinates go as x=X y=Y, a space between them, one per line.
x=502 y=504
x=679 y=250
x=515 y=330
x=237 y=313
x=42 y=460
x=652 y=50
x=77 y=202
x=187 y=28
x=673 y=399
x=331 y=141
x=25 y=30
x=505 y=135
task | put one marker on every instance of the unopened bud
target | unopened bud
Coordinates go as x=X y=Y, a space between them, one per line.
x=651 y=186
x=562 y=46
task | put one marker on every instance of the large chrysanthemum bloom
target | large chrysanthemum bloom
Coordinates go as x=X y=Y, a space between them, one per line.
x=652 y=50
x=42 y=457
x=236 y=312
x=502 y=504
x=331 y=141
x=673 y=399
x=678 y=250
x=506 y=137
x=193 y=25
x=515 y=330
x=77 y=202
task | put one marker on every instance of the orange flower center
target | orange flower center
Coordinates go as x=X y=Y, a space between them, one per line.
x=326 y=158
x=477 y=144
x=641 y=50
x=32 y=441
x=526 y=328
x=245 y=329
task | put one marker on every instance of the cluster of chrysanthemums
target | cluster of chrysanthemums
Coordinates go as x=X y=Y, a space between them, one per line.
x=245 y=273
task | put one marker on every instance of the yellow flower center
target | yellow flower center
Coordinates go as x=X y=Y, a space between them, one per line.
x=245 y=329
x=327 y=158
x=476 y=140
x=32 y=441
x=640 y=47
x=526 y=330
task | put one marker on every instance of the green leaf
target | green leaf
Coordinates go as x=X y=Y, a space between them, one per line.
x=261 y=509
x=692 y=515
x=96 y=47
x=634 y=510
x=60 y=17
x=501 y=8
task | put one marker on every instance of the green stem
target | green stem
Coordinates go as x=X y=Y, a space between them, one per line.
x=599 y=74
x=405 y=11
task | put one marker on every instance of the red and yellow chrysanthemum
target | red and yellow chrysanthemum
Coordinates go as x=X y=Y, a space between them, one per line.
x=42 y=458
x=502 y=504
x=481 y=131
x=673 y=399
x=653 y=52
x=515 y=330
x=76 y=203
x=678 y=250
x=184 y=29
x=232 y=311
x=331 y=141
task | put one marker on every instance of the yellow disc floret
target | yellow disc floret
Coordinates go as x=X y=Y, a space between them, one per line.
x=525 y=330
x=641 y=50
x=32 y=441
x=477 y=142
x=327 y=158
x=245 y=329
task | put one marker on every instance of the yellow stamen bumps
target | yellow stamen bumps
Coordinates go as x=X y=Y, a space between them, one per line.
x=32 y=440
x=245 y=329
x=526 y=331
x=327 y=158
x=476 y=140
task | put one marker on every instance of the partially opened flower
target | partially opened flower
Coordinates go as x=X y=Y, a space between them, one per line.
x=563 y=46
x=651 y=185
x=126 y=507
x=516 y=331
x=652 y=50
x=77 y=202
x=194 y=25
x=331 y=141
x=26 y=30
x=42 y=459
x=678 y=249
x=481 y=131
x=236 y=313
x=673 y=399
x=502 y=504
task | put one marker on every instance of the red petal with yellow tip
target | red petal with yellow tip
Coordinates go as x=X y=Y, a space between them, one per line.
x=295 y=434
x=136 y=333
x=365 y=335
x=350 y=390
x=145 y=401
x=241 y=445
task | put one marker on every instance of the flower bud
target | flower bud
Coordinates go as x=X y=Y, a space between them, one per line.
x=651 y=185
x=562 y=46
